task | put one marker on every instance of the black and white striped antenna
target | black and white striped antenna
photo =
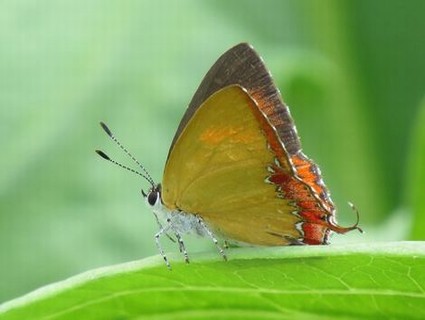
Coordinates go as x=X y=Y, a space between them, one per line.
x=145 y=175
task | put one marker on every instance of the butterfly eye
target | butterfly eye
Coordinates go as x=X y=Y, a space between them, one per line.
x=152 y=197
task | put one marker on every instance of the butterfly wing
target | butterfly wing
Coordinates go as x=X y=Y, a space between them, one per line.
x=242 y=65
x=236 y=160
x=219 y=169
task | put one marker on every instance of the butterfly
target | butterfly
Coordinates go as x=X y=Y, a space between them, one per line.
x=235 y=169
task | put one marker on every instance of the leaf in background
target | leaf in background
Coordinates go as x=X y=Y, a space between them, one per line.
x=415 y=191
x=352 y=139
x=322 y=282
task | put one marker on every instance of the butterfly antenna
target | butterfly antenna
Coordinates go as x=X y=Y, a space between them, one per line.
x=146 y=174
x=106 y=157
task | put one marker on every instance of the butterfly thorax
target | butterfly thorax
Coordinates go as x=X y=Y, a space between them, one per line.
x=174 y=220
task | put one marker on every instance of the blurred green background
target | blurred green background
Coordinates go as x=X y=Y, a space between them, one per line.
x=353 y=73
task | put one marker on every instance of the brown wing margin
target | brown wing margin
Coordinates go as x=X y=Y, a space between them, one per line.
x=242 y=65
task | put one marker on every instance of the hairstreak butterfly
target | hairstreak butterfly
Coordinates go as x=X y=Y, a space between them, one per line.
x=235 y=168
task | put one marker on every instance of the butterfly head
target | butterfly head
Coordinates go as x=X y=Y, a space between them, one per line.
x=153 y=195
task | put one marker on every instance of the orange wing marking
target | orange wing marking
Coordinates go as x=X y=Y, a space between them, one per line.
x=297 y=178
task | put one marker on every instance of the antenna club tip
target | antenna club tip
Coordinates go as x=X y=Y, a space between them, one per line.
x=105 y=128
x=102 y=154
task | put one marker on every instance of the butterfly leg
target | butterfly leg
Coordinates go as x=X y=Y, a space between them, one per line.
x=294 y=242
x=211 y=235
x=158 y=244
x=160 y=227
x=291 y=240
x=182 y=247
x=225 y=245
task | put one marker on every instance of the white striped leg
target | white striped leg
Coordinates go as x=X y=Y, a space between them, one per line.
x=211 y=235
x=160 y=227
x=225 y=245
x=182 y=247
x=158 y=244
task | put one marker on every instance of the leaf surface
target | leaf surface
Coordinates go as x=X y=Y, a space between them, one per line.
x=359 y=281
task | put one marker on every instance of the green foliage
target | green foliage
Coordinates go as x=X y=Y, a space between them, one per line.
x=415 y=193
x=356 y=282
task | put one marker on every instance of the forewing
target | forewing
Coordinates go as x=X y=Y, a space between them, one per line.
x=220 y=167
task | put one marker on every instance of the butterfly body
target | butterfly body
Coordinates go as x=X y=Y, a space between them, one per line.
x=178 y=221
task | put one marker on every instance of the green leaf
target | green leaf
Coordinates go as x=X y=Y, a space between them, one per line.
x=358 y=281
x=416 y=177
